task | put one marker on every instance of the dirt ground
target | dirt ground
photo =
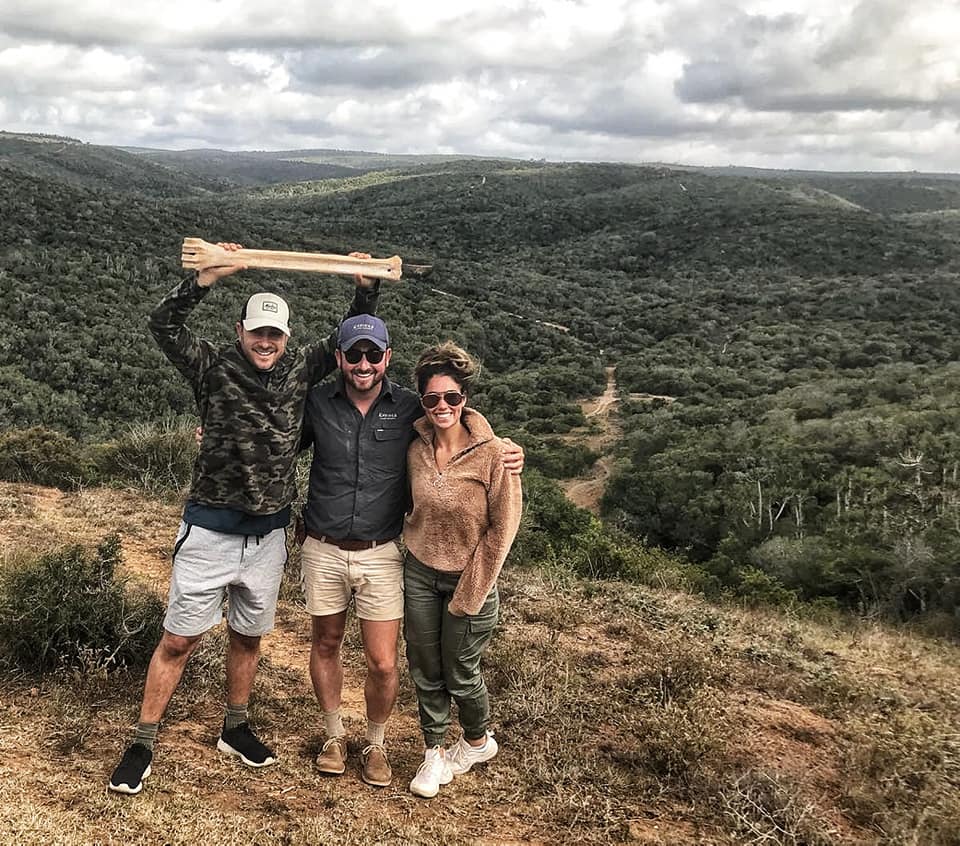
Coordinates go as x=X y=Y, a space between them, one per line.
x=187 y=769
x=609 y=688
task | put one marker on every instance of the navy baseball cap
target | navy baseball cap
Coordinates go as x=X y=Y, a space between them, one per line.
x=363 y=327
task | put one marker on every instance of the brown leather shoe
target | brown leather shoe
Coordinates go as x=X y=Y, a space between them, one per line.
x=332 y=759
x=376 y=768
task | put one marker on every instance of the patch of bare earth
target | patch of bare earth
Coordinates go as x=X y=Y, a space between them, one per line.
x=35 y=519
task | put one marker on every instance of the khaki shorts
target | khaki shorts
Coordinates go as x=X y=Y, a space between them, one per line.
x=373 y=577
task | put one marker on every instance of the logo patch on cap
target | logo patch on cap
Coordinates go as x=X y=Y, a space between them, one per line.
x=363 y=327
x=269 y=307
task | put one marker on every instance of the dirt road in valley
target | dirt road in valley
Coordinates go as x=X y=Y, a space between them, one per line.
x=586 y=491
x=601 y=435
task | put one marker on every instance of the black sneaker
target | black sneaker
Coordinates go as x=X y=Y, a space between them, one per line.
x=133 y=768
x=241 y=741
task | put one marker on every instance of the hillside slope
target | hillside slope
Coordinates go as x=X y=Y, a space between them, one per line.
x=96 y=167
x=807 y=327
x=624 y=714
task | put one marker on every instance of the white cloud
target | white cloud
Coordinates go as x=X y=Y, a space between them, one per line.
x=858 y=84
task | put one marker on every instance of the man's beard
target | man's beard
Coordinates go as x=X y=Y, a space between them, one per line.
x=349 y=378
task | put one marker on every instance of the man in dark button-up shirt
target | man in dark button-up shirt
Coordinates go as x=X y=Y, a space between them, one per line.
x=360 y=427
x=358 y=478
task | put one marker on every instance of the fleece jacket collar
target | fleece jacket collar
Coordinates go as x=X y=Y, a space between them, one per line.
x=475 y=423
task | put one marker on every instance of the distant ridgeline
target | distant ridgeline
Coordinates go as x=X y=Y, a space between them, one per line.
x=37 y=137
x=807 y=325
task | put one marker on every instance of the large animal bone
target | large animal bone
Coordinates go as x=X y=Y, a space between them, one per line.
x=197 y=254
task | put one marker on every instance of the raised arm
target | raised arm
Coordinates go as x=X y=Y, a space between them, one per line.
x=168 y=320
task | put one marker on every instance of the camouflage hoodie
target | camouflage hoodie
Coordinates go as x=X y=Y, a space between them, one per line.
x=251 y=419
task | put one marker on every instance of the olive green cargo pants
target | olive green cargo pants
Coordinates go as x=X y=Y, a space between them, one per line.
x=444 y=652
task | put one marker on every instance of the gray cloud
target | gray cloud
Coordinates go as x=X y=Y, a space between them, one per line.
x=868 y=60
x=863 y=84
x=381 y=69
x=869 y=29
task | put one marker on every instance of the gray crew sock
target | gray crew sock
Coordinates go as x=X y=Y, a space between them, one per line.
x=146 y=734
x=235 y=715
x=375 y=732
x=333 y=724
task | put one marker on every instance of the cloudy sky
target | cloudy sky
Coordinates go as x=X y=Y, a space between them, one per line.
x=823 y=84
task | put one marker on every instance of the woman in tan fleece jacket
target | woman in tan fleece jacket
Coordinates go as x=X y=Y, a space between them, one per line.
x=465 y=515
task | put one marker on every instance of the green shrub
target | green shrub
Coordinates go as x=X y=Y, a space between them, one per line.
x=596 y=554
x=557 y=459
x=69 y=609
x=549 y=512
x=601 y=552
x=757 y=588
x=44 y=457
x=156 y=457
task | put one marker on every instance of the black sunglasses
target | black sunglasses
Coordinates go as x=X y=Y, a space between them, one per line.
x=353 y=355
x=451 y=398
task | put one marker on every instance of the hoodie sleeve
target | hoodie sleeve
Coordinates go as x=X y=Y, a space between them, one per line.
x=188 y=353
x=504 y=507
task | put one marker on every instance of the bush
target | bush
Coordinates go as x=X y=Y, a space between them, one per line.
x=757 y=588
x=601 y=552
x=558 y=460
x=598 y=553
x=156 y=457
x=550 y=512
x=901 y=776
x=44 y=457
x=672 y=745
x=763 y=808
x=69 y=609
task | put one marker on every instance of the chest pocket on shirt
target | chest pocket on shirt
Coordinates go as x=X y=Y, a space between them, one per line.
x=388 y=434
x=388 y=451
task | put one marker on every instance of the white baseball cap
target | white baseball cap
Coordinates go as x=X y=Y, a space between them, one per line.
x=266 y=310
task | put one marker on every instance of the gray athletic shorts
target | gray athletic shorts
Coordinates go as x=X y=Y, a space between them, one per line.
x=209 y=567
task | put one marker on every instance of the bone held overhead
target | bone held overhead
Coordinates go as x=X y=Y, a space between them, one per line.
x=197 y=254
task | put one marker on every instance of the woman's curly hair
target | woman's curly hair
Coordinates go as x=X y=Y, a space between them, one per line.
x=447 y=359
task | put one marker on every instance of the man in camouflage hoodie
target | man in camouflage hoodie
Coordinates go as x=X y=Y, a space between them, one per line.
x=231 y=543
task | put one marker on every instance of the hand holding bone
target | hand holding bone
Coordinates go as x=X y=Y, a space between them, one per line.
x=208 y=275
x=361 y=280
x=200 y=255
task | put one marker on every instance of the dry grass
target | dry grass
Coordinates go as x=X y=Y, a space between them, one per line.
x=764 y=809
x=624 y=714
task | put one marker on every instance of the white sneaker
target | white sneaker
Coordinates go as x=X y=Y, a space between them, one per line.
x=433 y=772
x=462 y=755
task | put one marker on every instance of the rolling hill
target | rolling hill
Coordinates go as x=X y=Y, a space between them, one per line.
x=806 y=326
x=751 y=646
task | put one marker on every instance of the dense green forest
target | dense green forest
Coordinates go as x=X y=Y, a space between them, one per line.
x=805 y=325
